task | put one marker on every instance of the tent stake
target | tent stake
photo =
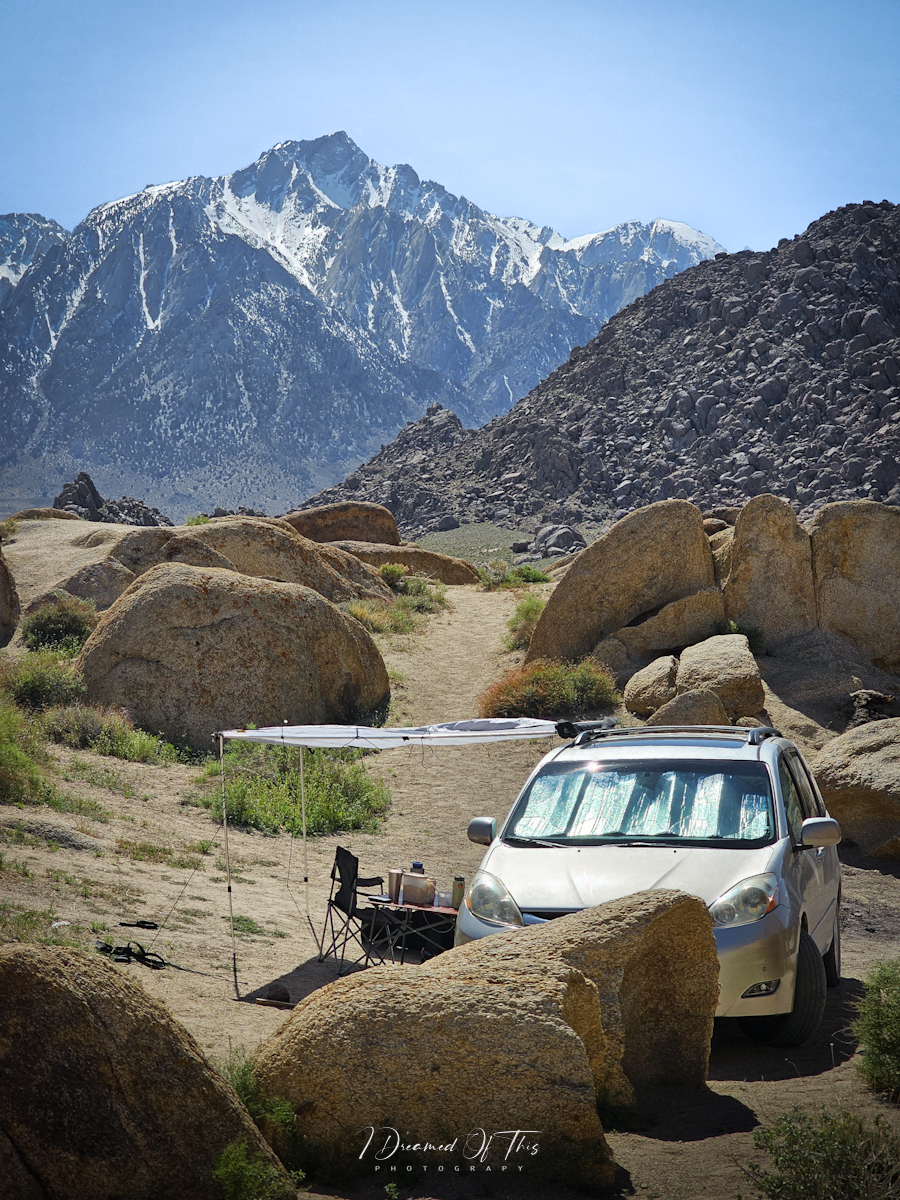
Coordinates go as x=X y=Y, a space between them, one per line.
x=237 y=992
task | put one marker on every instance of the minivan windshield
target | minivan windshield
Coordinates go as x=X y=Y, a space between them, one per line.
x=700 y=803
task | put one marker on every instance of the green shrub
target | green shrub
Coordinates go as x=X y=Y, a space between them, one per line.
x=392 y=573
x=823 y=1157
x=62 y=624
x=751 y=633
x=262 y=790
x=41 y=680
x=500 y=574
x=8 y=529
x=110 y=733
x=200 y=519
x=877 y=1028
x=272 y=1115
x=521 y=624
x=247 y=1177
x=416 y=597
x=549 y=689
x=20 y=780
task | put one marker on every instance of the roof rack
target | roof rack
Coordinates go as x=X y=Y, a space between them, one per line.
x=589 y=731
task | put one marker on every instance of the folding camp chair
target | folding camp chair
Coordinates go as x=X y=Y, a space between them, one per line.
x=346 y=921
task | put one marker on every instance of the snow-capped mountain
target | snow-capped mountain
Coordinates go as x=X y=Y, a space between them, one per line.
x=24 y=238
x=252 y=338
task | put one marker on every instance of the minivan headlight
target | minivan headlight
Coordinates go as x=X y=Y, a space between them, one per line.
x=489 y=900
x=747 y=901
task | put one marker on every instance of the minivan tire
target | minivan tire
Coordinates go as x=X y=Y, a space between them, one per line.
x=797 y=1026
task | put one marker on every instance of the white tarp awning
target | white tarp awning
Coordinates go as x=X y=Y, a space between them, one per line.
x=454 y=733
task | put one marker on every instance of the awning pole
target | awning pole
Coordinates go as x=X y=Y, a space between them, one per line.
x=237 y=992
x=305 y=854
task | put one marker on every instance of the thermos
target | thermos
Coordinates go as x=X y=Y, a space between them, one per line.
x=459 y=888
x=395 y=874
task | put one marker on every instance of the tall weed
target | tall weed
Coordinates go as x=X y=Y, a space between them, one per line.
x=20 y=780
x=262 y=790
x=521 y=624
x=107 y=732
x=40 y=681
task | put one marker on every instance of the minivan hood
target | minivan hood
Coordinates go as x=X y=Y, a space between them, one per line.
x=569 y=878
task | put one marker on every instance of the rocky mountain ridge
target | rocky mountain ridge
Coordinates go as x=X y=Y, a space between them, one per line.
x=24 y=239
x=246 y=338
x=754 y=372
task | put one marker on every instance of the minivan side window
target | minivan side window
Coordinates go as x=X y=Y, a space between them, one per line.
x=793 y=805
x=812 y=806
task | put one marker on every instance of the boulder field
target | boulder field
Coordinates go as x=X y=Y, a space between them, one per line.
x=657 y=581
x=591 y=1005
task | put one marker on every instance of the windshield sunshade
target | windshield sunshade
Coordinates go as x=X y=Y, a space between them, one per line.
x=723 y=803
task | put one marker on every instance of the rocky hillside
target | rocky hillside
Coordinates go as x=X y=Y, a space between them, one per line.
x=755 y=372
x=250 y=338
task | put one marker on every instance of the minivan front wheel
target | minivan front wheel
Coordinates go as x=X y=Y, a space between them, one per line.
x=797 y=1026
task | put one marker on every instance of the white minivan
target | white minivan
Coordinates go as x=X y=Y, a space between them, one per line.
x=731 y=815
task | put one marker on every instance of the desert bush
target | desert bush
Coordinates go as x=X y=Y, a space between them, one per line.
x=500 y=574
x=549 y=689
x=262 y=790
x=20 y=780
x=200 y=519
x=521 y=624
x=416 y=597
x=877 y=1028
x=40 y=681
x=392 y=573
x=822 y=1157
x=62 y=624
x=105 y=732
x=8 y=529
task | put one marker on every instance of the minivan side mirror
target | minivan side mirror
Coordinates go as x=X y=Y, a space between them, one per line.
x=820 y=831
x=483 y=830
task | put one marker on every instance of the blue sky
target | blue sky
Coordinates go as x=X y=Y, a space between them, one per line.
x=745 y=119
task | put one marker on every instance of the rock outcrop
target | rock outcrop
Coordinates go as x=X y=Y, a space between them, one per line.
x=104 y=1093
x=419 y=561
x=675 y=625
x=652 y=687
x=9 y=602
x=595 y=1003
x=859 y=777
x=699 y=706
x=82 y=499
x=724 y=665
x=652 y=557
x=770 y=581
x=188 y=651
x=856 y=563
x=347 y=521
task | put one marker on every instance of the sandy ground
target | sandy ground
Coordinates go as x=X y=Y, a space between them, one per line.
x=691 y=1141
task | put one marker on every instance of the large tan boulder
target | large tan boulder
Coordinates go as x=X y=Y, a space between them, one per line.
x=104 y=1093
x=418 y=561
x=723 y=665
x=262 y=548
x=553 y=1016
x=44 y=514
x=648 y=559
x=859 y=777
x=770 y=584
x=347 y=521
x=681 y=623
x=720 y=544
x=9 y=603
x=188 y=651
x=651 y=688
x=699 y=706
x=855 y=555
